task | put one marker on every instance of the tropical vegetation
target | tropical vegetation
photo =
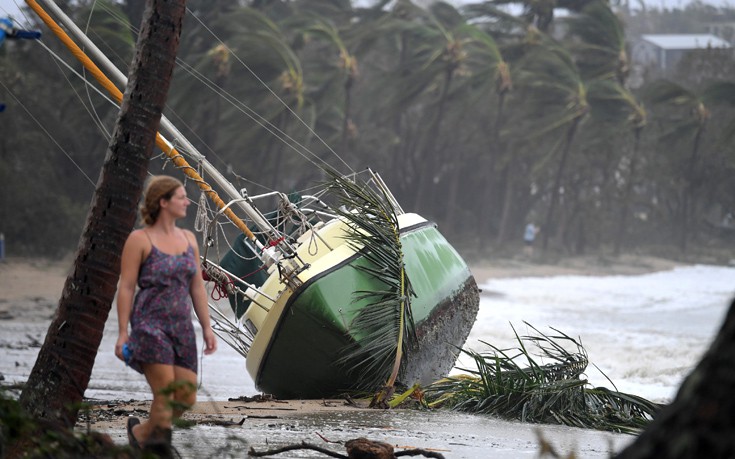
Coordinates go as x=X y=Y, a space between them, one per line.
x=386 y=322
x=477 y=118
x=512 y=384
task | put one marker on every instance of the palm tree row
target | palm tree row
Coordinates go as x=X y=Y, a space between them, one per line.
x=478 y=119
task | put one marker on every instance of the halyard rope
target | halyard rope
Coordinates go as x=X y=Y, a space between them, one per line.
x=174 y=155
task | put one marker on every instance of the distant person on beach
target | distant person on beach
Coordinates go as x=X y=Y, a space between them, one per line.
x=163 y=260
x=529 y=236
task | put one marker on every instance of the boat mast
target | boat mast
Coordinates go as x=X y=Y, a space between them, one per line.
x=173 y=132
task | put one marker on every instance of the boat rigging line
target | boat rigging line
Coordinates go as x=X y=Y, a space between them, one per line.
x=279 y=134
x=265 y=85
x=268 y=252
x=38 y=123
x=242 y=107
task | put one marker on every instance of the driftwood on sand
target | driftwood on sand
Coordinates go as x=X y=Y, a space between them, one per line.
x=359 y=448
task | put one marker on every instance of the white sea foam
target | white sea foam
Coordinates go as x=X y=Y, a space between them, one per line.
x=644 y=332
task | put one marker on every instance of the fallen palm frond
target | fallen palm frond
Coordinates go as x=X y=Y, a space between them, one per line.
x=551 y=393
x=385 y=323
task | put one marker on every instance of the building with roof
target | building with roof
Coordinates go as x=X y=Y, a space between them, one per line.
x=664 y=51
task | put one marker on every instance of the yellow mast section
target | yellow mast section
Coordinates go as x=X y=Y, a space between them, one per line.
x=161 y=142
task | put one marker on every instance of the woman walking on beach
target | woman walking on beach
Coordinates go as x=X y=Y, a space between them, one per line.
x=163 y=260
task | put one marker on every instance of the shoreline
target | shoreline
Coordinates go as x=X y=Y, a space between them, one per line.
x=26 y=278
x=111 y=415
x=30 y=290
x=623 y=265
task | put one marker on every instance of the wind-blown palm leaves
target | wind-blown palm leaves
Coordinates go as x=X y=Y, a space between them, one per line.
x=689 y=114
x=109 y=26
x=336 y=77
x=553 y=393
x=386 y=323
x=238 y=107
x=601 y=48
x=614 y=107
x=556 y=90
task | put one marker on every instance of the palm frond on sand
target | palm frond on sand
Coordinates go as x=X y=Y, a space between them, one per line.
x=551 y=393
x=385 y=324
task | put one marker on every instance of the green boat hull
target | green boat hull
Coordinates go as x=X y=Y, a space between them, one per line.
x=313 y=330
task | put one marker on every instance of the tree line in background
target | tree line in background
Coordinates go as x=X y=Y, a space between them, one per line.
x=478 y=119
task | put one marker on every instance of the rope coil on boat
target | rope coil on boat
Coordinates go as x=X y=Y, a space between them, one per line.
x=223 y=285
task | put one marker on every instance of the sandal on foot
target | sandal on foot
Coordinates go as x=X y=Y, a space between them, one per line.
x=159 y=444
x=132 y=422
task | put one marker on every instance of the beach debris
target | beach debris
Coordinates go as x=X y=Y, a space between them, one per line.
x=413 y=393
x=362 y=447
x=326 y=440
x=93 y=411
x=349 y=401
x=546 y=449
x=358 y=448
x=222 y=422
x=256 y=398
x=33 y=341
x=269 y=408
x=511 y=384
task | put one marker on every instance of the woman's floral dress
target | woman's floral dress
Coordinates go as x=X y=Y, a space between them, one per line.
x=162 y=329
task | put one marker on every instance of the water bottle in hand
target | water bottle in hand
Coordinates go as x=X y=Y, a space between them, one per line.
x=127 y=353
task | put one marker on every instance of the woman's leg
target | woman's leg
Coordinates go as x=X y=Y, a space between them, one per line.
x=174 y=391
x=160 y=377
x=186 y=390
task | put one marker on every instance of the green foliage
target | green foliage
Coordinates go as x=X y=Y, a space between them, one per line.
x=42 y=440
x=108 y=26
x=14 y=423
x=536 y=392
x=601 y=46
x=465 y=112
x=386 y=322
x=39 y=216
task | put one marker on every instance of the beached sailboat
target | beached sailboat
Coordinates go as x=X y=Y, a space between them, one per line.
x=335 y=267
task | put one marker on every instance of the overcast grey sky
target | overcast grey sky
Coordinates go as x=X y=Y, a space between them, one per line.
x=9 y=7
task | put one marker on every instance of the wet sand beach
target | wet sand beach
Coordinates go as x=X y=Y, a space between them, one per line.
x=230 y=417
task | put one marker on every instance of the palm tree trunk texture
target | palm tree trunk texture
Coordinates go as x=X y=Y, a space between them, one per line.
x=625 y=204
x=60 y=376
x=431 y=156
x=347 y=117
x=687 y=214
x=557 y=182
x=700 y=421
x=491 y=203
x=508 y=183
x=452 y=201
x=210 y=119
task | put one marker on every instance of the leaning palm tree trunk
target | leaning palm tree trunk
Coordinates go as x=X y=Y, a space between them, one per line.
x=430 y=153
x=557 y=181
x=625 y=205
x=59 y=378
x=688 y=195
